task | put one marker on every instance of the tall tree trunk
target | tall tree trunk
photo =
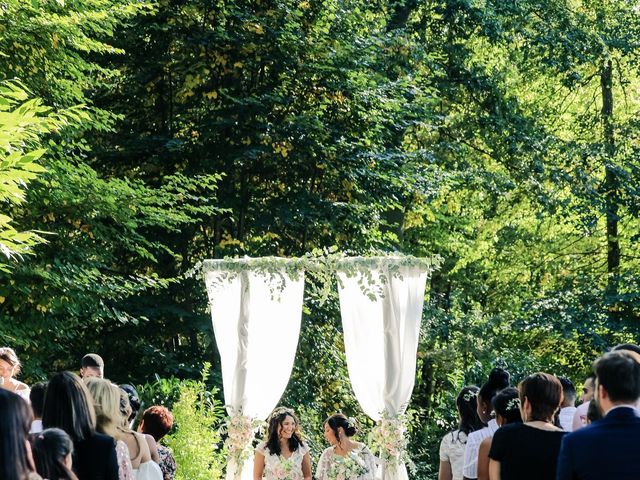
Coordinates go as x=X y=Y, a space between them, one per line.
x=612 y=194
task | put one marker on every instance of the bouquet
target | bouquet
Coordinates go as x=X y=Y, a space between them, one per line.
x=240 y=430
x=284 y=469
x=388 y=438
x=346 y=468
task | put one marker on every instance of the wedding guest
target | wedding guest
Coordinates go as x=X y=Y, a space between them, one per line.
x=106 y=400
x=453 y=443
x=52 y=454
x=68 y=406
x=10 y=368
x=36 y=396
x=529 y=450
x=15 y=455
x=593 y=413
x=608 y=448
x=344 y=452
x=135 y=403
x=580 y=415
x=92 y=366
x=568 y=406
x=283 y=449
x=498 y=380
x=157 y=421
x=144 y=467
x=506 y=405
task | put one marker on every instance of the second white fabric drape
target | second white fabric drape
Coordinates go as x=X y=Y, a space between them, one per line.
x=381 y=328
x=256 y=322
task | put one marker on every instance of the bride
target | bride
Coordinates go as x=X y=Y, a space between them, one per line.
x=283 y=454
x=345 y=458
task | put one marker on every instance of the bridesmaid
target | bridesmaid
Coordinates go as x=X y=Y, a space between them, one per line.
x=338 y=430
x=283 y=454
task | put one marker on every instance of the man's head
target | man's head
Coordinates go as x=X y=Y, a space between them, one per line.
x=92 y=366
x=568 y=392
x=617 y=380
x=588 y=389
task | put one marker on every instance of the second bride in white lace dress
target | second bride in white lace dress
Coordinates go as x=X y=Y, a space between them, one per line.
x=283 y=456
x=345 y=459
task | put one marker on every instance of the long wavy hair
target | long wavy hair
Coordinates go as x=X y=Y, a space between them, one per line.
x=15 y=421
x=276 y=420
x=50 y=448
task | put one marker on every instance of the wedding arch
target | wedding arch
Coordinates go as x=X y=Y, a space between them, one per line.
x=256 y=303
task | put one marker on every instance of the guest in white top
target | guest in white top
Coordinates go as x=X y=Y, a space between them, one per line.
x=580 y=415
x=498 y=379
x=37 y=405
x=567 y=407
x=453 y=443
x=10 y=368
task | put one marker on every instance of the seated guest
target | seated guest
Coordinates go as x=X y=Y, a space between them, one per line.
x=92 y=366
x=506 y=405
x=498 y=379
x=580 y=415
x=68 y=406
x=9 y=369
x=157 y=421
x=52 y=450
x=453 y=443
x=106 y=399
x=37 y=403
x=15 y=420
x=568 y=406
x=608 y=448
x=529 y=450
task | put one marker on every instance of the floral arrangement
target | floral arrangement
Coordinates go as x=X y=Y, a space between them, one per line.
x=388 y=440
x=240 y=433
x=284 y=469
x=346 y=468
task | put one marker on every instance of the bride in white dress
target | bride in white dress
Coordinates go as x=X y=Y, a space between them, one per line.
x=345 y=458
x=283 y=455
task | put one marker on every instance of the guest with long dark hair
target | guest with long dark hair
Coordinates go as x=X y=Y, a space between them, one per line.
x=498 y=380
x=284 y=442
x=68 y=406
x=506 y=405
x=15 y=454
x=453 y=443
x=52 y=453
x=529 y=450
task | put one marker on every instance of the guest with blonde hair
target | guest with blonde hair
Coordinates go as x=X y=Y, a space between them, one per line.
x=10 y=368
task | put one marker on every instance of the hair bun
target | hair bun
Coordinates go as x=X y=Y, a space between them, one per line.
x=499 y=378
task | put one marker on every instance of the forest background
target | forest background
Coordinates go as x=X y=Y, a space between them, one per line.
x=138 y=138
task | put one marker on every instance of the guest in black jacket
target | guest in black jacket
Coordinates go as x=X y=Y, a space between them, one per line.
x=68 y=406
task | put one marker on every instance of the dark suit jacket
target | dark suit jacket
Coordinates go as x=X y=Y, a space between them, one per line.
x=95 y=458
x=608 y=449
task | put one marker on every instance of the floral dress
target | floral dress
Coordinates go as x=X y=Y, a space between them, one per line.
x=359 y=464
x=277 y=467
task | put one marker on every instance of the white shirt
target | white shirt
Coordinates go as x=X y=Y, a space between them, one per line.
x=580 y=416
x=566 y=418
x=452 y=451
x=470 y=469
x=36 y=426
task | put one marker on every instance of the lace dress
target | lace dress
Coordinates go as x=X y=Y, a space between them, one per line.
x=277 y=467
x=332 y=466
x=125 y=470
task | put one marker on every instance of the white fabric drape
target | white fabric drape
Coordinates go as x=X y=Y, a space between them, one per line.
x=256 y=320
x=381 y=335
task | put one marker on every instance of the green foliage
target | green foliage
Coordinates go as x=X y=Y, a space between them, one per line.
x=197 y=416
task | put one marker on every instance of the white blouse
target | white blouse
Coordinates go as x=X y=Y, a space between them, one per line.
x=277 y=467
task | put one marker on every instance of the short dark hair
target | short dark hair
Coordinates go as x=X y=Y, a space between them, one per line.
x=544 y=393
x=68 y=405
x=36 y=396
x=157 y=421
x=619 y=374
x=92 y=360
x=632 y=347
x=568 y=389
